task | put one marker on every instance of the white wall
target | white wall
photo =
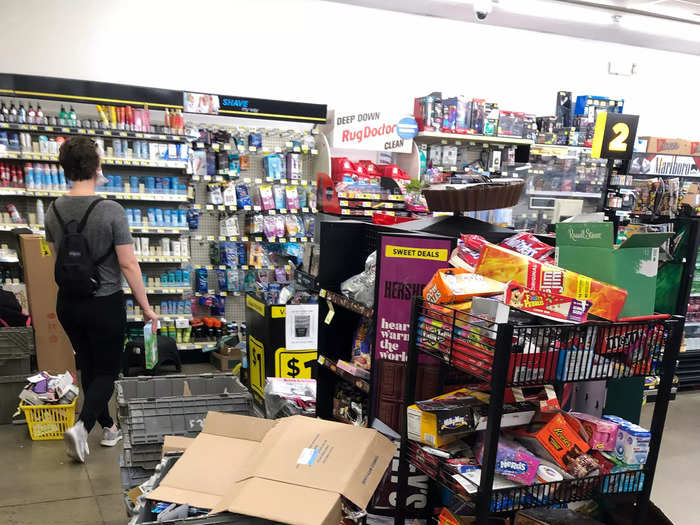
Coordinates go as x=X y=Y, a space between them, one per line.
x=341 y=55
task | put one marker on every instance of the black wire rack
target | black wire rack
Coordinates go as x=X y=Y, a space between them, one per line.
x=523 y=355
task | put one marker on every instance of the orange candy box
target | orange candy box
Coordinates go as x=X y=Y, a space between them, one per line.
x=505 y=265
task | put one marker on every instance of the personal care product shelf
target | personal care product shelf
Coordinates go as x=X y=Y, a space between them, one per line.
x=157 y=230
x=223 y=293
x=106 y=161
x=287 y=267
x=117 y=133
x=252 y=180
x=433 y=137
x=346 y=376
x=240 y=148
x=574 y=194
x=251 y=238
x=167 y=290
x=161 y=259
x=127 y=196
x=254 y=209
x=345 y=302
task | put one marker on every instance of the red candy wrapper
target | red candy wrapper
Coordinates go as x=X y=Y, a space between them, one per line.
x=467 y=252
x=528 y=244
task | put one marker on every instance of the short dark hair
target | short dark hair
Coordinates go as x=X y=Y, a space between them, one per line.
x=79 y=157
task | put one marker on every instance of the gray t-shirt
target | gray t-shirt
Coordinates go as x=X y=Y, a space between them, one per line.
x=107 y=226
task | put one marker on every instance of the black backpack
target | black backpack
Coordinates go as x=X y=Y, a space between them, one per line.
x=76 y=272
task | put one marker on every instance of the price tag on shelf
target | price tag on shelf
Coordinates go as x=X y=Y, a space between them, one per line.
x=139 y=135
x=257 y=208
x=258 y=181
x=283 y=210
x=252 y=148
x=223 y=294
x=227 y=147
x=200 y=145
x=304 y=239
x=123 y=134
x=244 y=267
x=289 y=144
x=244 y=239
x=278 y=149
x=295 y=183
x=292 y=239
x=273 y=212
x=297 y=149
x=215 y=146
x=222 y=267
x=305 y=148
x=210 y=237
x=210 y=207
x=81 y=131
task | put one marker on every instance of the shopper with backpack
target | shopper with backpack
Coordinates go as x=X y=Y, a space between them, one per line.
x=92 y=242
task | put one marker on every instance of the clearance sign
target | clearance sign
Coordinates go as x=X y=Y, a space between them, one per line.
x=373 y=131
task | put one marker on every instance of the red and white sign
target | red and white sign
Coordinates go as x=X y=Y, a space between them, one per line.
x=369 y=131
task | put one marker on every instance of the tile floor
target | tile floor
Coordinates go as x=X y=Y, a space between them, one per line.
x=38 y=485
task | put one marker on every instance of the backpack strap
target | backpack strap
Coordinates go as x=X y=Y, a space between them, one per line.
x=83 y=221
x=58 y=216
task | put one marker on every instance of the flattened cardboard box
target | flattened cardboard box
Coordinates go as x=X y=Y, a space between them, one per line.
x=292 y=470
x=54 y=352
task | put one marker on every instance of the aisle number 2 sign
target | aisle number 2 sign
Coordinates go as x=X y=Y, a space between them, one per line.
x=614 y=136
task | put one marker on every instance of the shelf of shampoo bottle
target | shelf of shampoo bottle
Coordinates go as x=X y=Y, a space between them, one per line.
x=251 y=238
x=286 y=267
x=223 y=293
x=106 y=161
x=117 y=195
x=161 y=259
x=72 y=130
x=264 y=150
x=164 y=290
x=223 y=176
x=257 y=209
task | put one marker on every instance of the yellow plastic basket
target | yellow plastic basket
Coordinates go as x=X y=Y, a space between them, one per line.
x=49 y=421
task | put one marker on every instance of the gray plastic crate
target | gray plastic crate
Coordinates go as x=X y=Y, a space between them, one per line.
x=132 y=476
x=16 y=341
x=151 y=408
x=144 y=456
x=11 y=366
x=10 y=387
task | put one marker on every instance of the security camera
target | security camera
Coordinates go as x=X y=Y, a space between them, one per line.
x=482 y=9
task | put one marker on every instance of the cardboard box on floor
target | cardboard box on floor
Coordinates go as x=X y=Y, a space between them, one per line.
x=588 y=248
x=291 y=470
x=54 y=352
x=175 y=444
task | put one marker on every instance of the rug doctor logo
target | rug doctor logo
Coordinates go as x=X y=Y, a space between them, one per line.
x=375 y=131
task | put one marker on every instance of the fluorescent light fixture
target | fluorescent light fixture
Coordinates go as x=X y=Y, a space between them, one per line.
x=661 y=27
x=557 y=11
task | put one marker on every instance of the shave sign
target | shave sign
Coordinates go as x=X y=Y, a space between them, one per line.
x=373 y=131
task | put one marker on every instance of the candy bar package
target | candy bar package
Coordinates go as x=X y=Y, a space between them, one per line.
x=553 y=436
x=513 y=461
x=467 y=252
x=455 y=285
x=545 y=304
x=602 y=433
x=527 y=244
x=504 y=265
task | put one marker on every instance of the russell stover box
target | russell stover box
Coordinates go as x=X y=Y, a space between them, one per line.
x=588 y=248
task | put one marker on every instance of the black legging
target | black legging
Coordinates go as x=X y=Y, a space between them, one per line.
x=96 y=327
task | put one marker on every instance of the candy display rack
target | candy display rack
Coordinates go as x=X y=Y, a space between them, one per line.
x=497 y=355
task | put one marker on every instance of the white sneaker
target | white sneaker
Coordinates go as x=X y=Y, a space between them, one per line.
x=111 y=437
x=76 y=442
